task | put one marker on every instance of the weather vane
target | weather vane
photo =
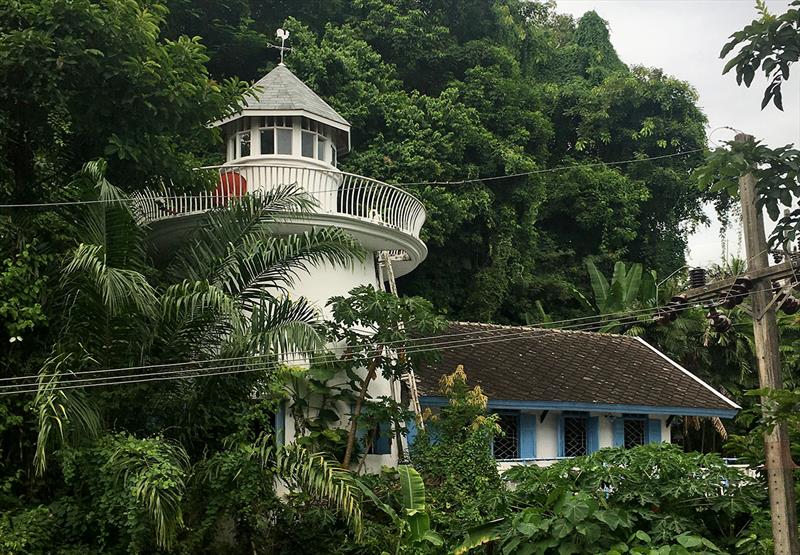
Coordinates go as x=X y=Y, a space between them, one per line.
x=282 y=34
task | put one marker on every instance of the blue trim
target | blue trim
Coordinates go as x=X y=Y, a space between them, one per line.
x=560 y=436
x=654 y=431
x=618 y=432
x=592 y=434
x=280 y=423
x=411 y=431
x=527 y=436
x=596 y=407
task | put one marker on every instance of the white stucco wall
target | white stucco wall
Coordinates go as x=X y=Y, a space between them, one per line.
x=321 y=283
x=325 y=281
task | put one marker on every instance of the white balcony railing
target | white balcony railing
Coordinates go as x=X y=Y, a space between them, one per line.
x=333 y=191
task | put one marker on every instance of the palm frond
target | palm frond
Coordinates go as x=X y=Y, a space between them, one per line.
x=110 y=223
x=276 y=262
x=315 y=474
x=155 y=470
x=69 y=412
x=226 y=228
x=283 y=325
x=117 y=289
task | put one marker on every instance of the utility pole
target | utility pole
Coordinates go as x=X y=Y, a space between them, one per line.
x=780 y=466
x=759 y=284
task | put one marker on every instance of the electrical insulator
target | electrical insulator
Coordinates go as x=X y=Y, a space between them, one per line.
x=737 y=292
x=719 y=322
x=697 y=277
x=790 y=306
x=788 y=303
x=777 y=257
x=675 y=306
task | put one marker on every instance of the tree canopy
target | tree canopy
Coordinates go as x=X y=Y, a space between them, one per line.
x=454 y=91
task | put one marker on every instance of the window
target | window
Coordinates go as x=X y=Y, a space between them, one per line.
x=276 y=135
x=267 y=141
x=506 y=445
x=243 y=144
x=307 y=144
x=634 y=432
x=284 y=141
x=379 y=439
x=574 y=430
x=322 y=148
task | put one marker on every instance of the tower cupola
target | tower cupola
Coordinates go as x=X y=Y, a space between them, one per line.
x=284 y=118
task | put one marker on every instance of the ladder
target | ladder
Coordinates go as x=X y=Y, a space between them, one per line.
x=409 y=378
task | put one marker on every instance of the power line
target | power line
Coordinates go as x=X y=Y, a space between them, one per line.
x=179 y=374
x=594 y=318
x=499 y=335
x=437 y=183
x=503 y=334
x=558 y=168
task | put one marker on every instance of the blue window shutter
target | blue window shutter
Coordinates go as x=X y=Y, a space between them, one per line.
x=383 y=441
x=527 y=436
x=618 y=429
x=560 y=436
x=592 y=434
x=411 y=431
x=654 y=431
x=280 y=423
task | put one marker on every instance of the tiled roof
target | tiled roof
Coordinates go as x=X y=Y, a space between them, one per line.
x=529 y=364
x=280 y=89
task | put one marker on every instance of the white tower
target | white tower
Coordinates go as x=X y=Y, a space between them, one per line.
x=286 y=134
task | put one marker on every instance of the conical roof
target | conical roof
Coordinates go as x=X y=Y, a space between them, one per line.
x=281 y=90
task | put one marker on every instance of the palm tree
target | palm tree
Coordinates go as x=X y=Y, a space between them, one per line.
x=223 y=297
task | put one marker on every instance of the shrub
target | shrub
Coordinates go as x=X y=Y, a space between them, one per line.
x=595 y=502
x=454 y=456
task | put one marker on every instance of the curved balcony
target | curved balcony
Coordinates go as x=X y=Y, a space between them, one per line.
x=386 y=217
x=333 y=191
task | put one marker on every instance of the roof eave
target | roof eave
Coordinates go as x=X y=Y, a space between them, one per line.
x=733 y=405
x=513 y=404
x=266 y=112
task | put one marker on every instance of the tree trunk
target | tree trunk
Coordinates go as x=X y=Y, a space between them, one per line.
x=351 y=436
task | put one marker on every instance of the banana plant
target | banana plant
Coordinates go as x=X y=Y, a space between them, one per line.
x=630 y=288
x=413 y=522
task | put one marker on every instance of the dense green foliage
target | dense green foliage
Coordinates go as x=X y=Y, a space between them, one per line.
x=454 y=453
x=108 y=478
x=635 y=500
x=770 y=43
x=444 y=91
x=436 y=91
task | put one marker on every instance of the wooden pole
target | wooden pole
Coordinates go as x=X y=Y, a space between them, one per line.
x=780 y=468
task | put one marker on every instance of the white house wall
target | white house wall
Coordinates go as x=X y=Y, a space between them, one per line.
x=547 y=440
x=320 y=284
x=325 y=281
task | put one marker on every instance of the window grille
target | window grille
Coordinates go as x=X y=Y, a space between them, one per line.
x=634 y=432
x=506 y=446
x=574 y=436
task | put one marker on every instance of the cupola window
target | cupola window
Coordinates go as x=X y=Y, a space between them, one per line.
x=315 y=141
x=276 y=136
x=243 y=144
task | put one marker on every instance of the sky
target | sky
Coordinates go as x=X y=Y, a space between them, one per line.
x=684 y=37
